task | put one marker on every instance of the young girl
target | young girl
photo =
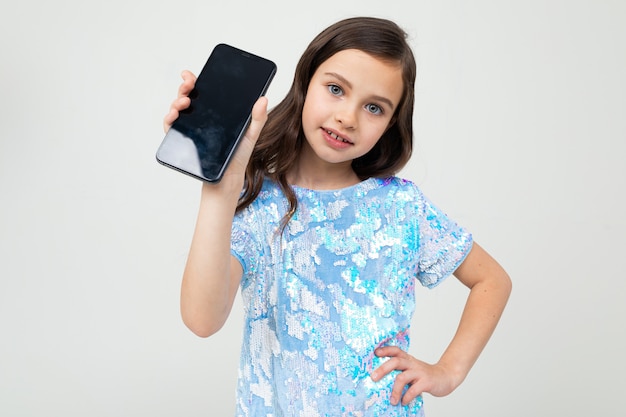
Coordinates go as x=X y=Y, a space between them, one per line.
x=325 y=242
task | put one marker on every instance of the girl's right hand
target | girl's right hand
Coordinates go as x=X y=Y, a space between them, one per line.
x=237 y=166
x=182 y=100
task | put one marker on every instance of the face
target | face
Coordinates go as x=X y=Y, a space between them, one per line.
x=350 y=102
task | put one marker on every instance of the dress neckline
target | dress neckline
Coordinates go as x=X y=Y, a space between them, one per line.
x=367 y=183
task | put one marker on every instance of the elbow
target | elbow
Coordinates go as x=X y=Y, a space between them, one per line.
x=202 y=327
x=507 y=283
x=202 y=330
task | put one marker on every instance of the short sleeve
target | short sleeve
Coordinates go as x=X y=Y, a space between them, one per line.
x=443 y=244
x=244 y=243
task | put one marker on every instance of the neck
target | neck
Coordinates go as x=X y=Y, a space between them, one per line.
x=322 y=176
x=318 y=183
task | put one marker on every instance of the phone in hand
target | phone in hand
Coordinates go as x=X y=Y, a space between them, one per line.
x=203 y=139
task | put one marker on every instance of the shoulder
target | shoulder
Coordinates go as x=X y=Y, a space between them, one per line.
x=270 y=192
x=402 y=189
x=268 y=202
x=394 y=182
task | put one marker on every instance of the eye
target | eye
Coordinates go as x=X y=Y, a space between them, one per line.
x=374 y=108
x=335 y=90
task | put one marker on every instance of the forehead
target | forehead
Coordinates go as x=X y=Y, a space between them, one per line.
x=366 y=73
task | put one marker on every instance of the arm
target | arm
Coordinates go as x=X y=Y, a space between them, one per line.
x=490 y=287
x=212 y=275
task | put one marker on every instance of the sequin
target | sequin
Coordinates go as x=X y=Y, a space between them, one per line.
x=335 y=286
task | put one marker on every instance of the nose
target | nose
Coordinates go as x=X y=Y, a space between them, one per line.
x=346 y=115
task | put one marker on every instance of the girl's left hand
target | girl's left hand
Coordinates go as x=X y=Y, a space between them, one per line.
x=419 y=376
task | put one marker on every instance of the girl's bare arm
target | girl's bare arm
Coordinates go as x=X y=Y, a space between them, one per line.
x=212 y=275
x=490 y=287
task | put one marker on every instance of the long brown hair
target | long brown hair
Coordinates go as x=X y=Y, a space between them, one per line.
x=281 y=139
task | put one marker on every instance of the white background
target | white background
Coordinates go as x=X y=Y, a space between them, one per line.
x=520 y=136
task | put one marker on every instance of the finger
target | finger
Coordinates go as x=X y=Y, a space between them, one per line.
x=169 y=119
x=259 y=117
x=182 y=100
x=177 y=106
x=412 y=393
x=188 y=75
x=390 y=351
x=397 y=356
x=181 y=103
x=188 y=84
x=403 y=379
x=384 y=369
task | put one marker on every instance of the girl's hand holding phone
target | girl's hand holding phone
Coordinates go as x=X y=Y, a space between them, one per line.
x=244 y=150
x=202 y=140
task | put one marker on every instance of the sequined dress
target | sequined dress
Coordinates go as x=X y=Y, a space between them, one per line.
x=338 y=284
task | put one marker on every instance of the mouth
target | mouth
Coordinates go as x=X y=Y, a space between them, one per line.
x=337 y=137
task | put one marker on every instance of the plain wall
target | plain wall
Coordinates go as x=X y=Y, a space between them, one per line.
x=520 y=132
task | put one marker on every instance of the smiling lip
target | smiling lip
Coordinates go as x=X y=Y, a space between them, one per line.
x=336 y=140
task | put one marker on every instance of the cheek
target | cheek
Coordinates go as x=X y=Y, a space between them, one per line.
x=379 y=128
x=310 y=110
x=374 y=133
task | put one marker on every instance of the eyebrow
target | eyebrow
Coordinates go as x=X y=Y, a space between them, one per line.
x=346 y=82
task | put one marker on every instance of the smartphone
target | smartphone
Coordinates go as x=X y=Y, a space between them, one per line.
x=203 y=139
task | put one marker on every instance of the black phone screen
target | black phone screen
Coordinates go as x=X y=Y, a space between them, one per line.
x=204 y=137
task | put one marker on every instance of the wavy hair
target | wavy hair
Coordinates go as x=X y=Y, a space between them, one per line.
x=279 y=144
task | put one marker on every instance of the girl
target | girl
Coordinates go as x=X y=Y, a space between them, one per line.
x=325 y=242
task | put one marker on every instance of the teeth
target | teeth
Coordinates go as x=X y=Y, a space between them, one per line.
x=339 y=138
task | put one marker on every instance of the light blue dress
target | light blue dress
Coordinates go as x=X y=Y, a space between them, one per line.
x=337 y=284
